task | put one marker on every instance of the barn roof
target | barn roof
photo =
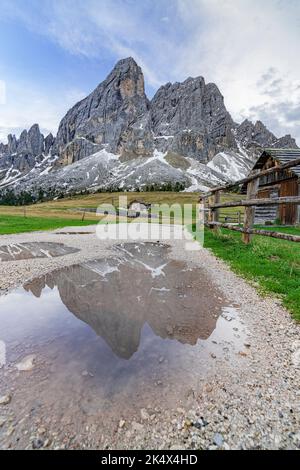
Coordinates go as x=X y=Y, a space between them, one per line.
x=138 y=201
x=280 y=155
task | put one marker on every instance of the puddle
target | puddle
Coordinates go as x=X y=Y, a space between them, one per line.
x=112 y=336
x=20 y=251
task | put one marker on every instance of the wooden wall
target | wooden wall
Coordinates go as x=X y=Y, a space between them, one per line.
x=288 y=213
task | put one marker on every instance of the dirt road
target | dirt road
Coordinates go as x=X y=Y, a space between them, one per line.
x=140 y=345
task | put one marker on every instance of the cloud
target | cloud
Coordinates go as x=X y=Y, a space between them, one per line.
x=249 y=48
x=21 y=110
x=280 y=110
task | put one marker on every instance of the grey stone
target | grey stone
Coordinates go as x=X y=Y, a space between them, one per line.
x=218 y=439
x=37 y=443
x=192 y=119
x=113 y=117
x=5 y=399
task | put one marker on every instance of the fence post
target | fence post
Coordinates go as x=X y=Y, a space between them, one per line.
x=210 y=211
x=215 y=212
x=249 y=216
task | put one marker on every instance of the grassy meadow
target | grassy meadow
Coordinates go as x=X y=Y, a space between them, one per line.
x=272 y=265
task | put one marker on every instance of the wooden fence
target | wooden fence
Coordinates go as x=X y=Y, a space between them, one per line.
x=213 y=204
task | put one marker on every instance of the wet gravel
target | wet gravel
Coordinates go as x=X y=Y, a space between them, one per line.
x=252 y=402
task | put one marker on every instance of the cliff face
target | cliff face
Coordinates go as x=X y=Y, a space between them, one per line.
x=19 y=156
x=185 y=135
x=190 y=118
x=113 y=116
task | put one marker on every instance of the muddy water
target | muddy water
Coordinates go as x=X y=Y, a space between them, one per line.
x=19 y=251
x=112 y=336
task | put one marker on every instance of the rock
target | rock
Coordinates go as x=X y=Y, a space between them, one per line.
x=10 y=431
x=49 y=143
x=122 y=423
x=41 y=431
x=296 y=359
x=137 y=427
x=193 y=116
x=5 y=399
x=47 y=442
x=200 y=423
x=26 y=364
x=144 y=414
x=37 y=443
x=188 y=423
x=109 y=117
x=183 y=138
x=2 y=421
x=218 y=439
x=251 y=135
x=243 y=354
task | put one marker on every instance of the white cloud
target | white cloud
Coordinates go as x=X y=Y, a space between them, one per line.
x=22 y=109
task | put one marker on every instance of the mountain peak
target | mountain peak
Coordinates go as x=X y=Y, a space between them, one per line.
x=170 y=139
x=104 y=118
x=129 y=61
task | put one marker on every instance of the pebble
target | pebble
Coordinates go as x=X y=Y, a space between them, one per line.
x=37 y=443
x=218 y=439
x=144 y=414
x=138 y=427
x=5 y=399
x=2 y=421
x=296 y=359
x=10 y=431
x=26 y=364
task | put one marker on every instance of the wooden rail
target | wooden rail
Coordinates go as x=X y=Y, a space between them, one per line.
x=258 y=202
x=254 y=231
x=212 y=205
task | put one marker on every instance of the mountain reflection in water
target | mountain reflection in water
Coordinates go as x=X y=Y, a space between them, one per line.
x=31 y=250
x=118 y=296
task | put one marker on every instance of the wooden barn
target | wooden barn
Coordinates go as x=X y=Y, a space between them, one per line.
x=278 y=184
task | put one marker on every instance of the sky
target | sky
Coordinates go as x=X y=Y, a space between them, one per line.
x=54 y=52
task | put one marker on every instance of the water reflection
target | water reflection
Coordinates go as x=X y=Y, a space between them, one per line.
x=20 y=251
x=117 y=297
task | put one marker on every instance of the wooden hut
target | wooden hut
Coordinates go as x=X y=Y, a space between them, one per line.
x=137 y=208
x=278 y=184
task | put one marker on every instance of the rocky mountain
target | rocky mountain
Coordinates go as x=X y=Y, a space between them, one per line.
x=116 y=138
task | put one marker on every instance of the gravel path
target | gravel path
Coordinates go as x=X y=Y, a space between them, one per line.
x=250 y=402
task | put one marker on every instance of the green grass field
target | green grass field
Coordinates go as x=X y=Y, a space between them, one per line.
x=64 y=212
x=10 y=224
x=272 y=265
